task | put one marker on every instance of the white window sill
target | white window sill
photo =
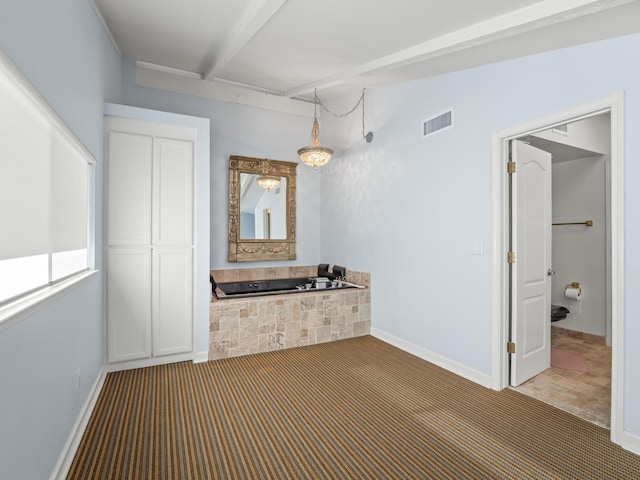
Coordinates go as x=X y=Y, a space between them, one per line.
x=16 y=311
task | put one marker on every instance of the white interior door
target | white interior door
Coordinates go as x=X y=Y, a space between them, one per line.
x=129 y=304
x=530 y=279
x=150 y=191
x=172 y=300
x=129 y=188
x=173 y=191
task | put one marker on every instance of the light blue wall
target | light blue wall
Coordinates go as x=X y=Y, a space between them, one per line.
x=404 y=208
x=415 y=204
x=62 y=48
x=242 y=130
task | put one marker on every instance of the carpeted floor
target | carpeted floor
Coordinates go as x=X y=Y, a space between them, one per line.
x=353 y=409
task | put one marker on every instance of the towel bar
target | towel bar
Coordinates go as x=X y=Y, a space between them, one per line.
x=588 y=223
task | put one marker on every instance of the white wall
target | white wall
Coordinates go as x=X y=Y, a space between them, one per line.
x=275 y=200
x=407 y=208
x=242 y=130
x=580 y=193
x=592 y=133
x=579 y=252
x=62 y=48
x=279 y=212
x=247 y=225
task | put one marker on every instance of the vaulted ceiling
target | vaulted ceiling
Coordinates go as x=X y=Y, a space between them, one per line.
x=248 y=50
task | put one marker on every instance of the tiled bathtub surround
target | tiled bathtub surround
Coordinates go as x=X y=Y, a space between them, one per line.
x=271 y=273
x=259 y=324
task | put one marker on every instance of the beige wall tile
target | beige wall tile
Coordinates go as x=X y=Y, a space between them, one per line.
x=260 y=324
x=361 y=328
x=323 y=334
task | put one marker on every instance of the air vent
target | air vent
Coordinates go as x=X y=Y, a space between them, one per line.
x=436 y=123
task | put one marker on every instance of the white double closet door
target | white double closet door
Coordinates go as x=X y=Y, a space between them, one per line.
x=149 y=184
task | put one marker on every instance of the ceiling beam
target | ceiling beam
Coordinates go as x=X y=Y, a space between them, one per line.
x=164 y=68
x=189 y=83
x=538 y=15
x=252 y=20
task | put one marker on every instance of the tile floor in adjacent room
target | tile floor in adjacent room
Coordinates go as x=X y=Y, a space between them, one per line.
x=586 y=394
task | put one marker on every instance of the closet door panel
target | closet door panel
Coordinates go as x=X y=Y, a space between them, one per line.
x=129 y=304
x=172 y=300
x=130 y=159
x=173 y=192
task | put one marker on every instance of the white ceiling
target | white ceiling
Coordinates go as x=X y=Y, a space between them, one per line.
x=233 y=49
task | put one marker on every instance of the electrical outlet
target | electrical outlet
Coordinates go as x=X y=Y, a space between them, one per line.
x=77 y=380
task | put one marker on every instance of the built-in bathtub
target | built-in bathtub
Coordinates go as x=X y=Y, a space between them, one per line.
x=257 y=288
x=247 y=323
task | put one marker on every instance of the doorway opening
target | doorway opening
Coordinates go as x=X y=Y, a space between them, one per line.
x=574 y=373
x=518 y=338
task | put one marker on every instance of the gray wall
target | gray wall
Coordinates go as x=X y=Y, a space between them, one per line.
x=62 y=48
x=579 y=252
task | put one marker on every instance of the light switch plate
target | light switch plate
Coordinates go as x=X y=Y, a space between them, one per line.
x=477 y=248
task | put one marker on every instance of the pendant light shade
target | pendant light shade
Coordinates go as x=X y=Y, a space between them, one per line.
x=315 y=156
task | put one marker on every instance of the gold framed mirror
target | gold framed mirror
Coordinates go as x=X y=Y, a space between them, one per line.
x=262 y=209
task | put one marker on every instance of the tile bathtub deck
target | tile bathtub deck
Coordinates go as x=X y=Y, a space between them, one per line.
x=584 y=394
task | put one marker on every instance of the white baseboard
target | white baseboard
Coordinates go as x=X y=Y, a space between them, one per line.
x=68 y=453
x=201 y=357
x=435 y=358
x=149 y=362
x=631 y=442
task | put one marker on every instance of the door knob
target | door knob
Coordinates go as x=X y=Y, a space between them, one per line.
x=551 y=273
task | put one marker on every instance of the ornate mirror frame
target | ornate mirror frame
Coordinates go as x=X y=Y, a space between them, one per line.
x=247 y=250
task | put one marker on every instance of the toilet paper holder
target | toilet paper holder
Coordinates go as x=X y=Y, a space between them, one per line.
x=570 y=291
x=575 y=285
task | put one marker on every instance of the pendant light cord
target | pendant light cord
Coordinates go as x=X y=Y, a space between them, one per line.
x=342 y=115
x=362 y=99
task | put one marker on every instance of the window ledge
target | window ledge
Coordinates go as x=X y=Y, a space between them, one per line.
x=16 y=311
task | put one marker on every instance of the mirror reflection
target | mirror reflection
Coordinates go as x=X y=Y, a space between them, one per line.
x=263 y=207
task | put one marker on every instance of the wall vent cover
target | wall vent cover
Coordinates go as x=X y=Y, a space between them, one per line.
x=436 y=123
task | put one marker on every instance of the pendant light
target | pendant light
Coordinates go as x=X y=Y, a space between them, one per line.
x=266 y=181
x=269 y=182
x=315 y=156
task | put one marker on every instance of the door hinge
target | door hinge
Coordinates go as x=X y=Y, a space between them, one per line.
x=511 y=347
x=511 y=257
x=511 y=167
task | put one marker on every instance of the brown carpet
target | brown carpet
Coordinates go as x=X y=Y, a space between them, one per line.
x=354 y=409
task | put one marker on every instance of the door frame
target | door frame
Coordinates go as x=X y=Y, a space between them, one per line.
x=500 y=275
